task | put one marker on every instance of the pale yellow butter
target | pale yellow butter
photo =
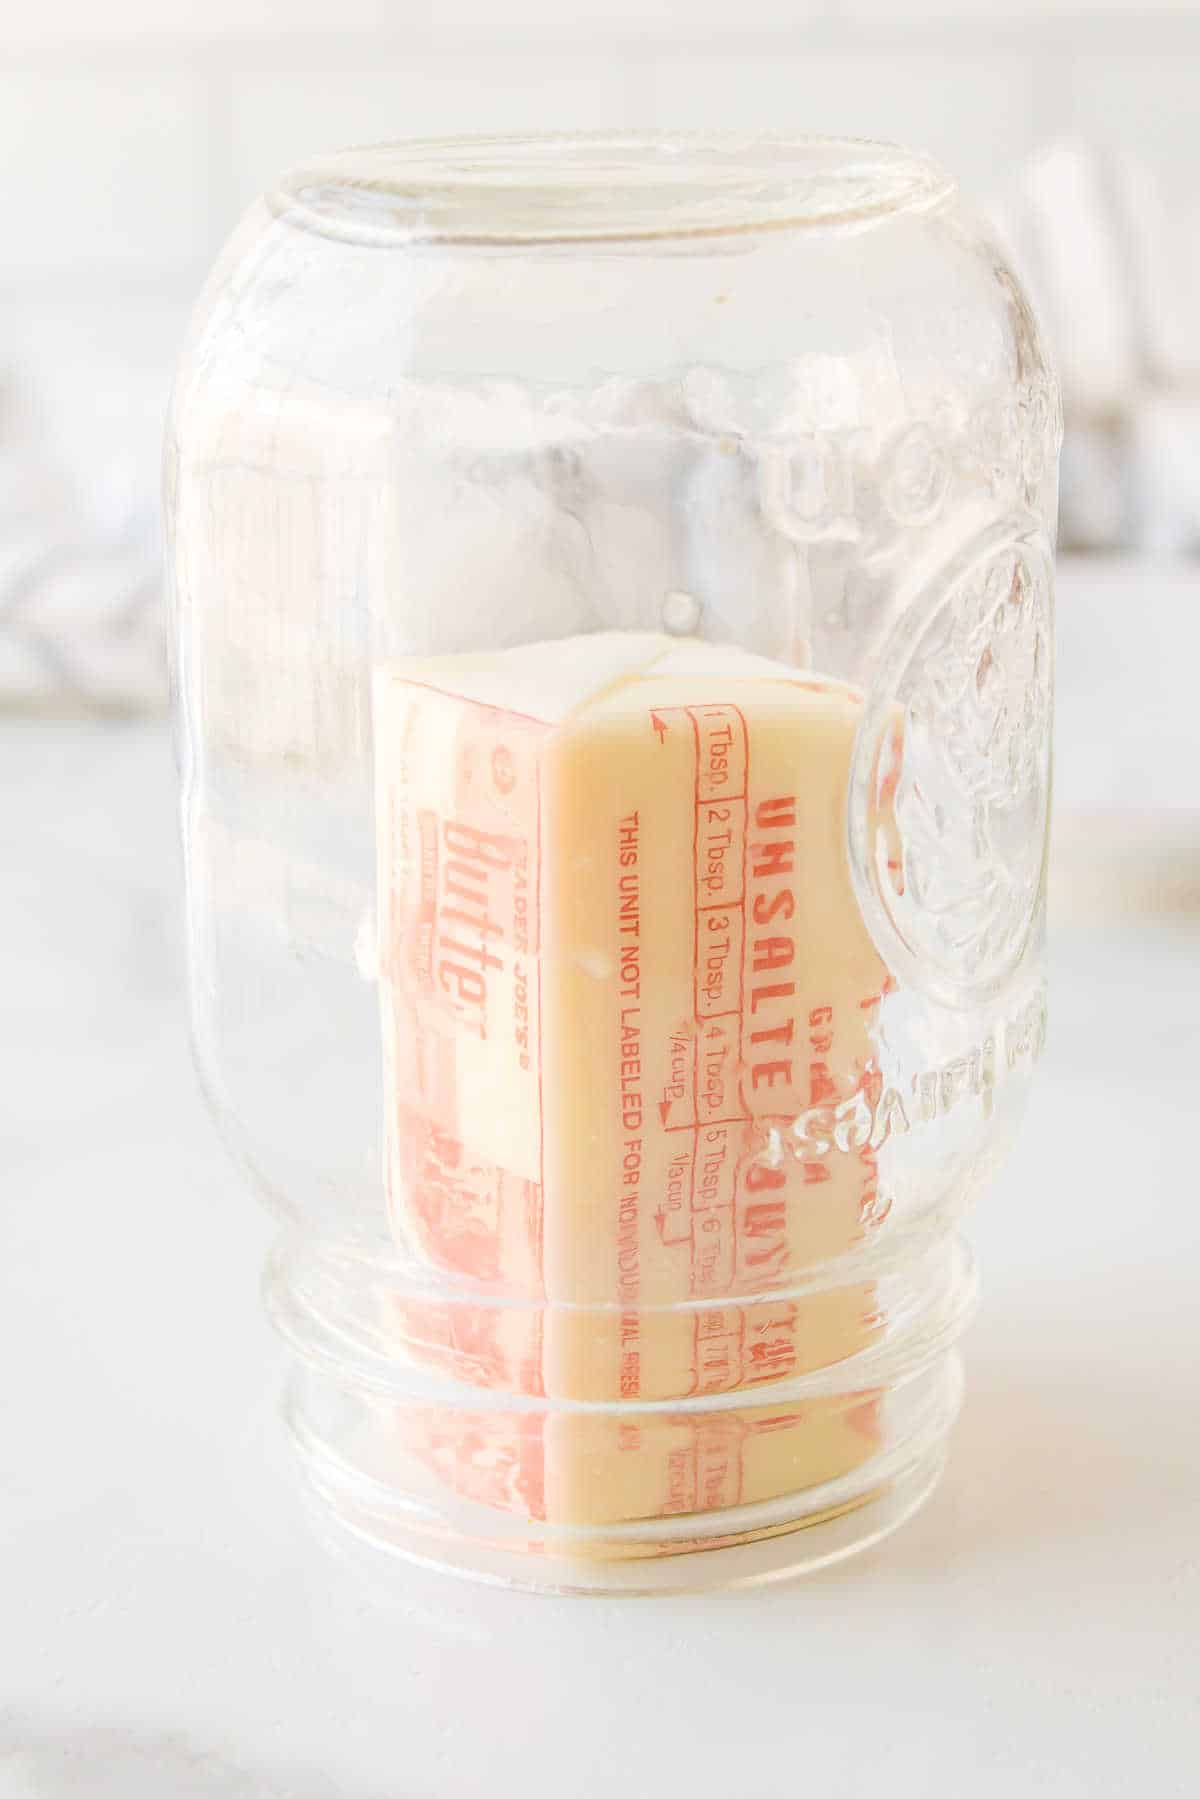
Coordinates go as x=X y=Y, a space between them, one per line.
x=620 y=953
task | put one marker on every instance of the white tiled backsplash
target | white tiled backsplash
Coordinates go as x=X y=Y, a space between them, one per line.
x=133 y=131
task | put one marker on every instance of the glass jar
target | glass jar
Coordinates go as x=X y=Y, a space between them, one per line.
x=613 y=580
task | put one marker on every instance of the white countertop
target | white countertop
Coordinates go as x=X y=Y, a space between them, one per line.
x=172 y=1627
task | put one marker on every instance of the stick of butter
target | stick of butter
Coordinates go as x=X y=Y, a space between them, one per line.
x=620 y=953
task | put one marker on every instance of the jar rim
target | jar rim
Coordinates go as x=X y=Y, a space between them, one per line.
x=603 y=187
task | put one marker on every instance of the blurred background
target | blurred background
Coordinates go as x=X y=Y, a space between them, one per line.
x=134 y=133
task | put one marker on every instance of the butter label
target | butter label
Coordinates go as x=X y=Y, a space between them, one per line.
x=459 y=828
x=620 y=952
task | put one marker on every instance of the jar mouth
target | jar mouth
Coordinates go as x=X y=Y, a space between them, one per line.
x=603 y=188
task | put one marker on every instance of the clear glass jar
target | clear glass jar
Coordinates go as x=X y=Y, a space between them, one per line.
x=613 y=580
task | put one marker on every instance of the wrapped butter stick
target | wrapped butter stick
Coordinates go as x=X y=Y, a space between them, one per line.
x=620 y=954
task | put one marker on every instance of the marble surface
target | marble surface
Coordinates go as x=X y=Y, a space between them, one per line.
x=172 y=1626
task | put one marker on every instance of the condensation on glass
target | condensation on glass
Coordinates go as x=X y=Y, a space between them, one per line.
x=613 y=581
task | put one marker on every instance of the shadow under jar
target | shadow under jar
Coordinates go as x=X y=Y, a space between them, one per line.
x=613 y=583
